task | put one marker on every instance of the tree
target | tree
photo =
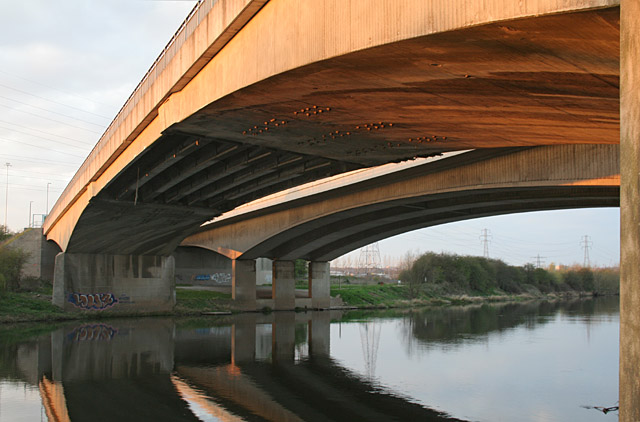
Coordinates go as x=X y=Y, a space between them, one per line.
x=11 y=263
x=300 y=269
x=5 y=233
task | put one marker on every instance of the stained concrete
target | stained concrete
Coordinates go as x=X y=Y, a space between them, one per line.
x=114 y=283
x=243 y=289
x=630 y=211
x=283 y=287
x=40 y=254
x=202 y=267
x=319 y=284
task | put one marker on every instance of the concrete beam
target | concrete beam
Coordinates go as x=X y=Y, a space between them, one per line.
x=630 y=211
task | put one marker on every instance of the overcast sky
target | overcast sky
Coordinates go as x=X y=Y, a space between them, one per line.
x=66 y=68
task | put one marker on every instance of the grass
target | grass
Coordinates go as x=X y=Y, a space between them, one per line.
x=191 y=302
x=375 y=295
x=29 y=306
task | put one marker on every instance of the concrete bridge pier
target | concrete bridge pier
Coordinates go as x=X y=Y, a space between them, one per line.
x=629 y=210
x=114 y=283
x=283 y=337
x=243 y=338
x=319 y=280
x=283 y=285
x=320 y=334
x=243 y=283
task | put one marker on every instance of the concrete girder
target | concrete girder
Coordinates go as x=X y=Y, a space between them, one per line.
x=249 y=167
x=196 y=185
x=466 y=185
x=328 y=238
x=269 y=176
x=214 y=154
x=145 y=168
x=566 y=199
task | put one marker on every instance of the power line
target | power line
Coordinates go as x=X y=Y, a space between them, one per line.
x=45 y=132
x=586 y=244
x=52 y=120
x=56 y=89
x=42 y=147
x=51 y=111
x=40 y=161
x=84 y=148
x=369 y=258
x=539 y=261
x=484 y=238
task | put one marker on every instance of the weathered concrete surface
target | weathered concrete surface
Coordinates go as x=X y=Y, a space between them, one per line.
x=319 y=284
x=480 y=183
x=201 y=267
x=243 y=287
x=283 y=288
x=630 y=211
x=114 y=283
x=40 y=254
x=406 y=78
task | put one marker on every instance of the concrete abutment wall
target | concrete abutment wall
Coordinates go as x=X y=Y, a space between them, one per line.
x=114 y=283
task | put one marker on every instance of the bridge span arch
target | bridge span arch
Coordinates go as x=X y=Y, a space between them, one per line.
x=322 y=226
x=473 y=184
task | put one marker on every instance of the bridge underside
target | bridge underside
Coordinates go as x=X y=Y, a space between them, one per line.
x=330 y=237
x=533 y=81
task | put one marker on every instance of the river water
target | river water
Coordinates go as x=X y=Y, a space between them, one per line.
x=538 y=361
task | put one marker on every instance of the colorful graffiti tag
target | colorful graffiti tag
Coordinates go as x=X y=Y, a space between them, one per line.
x=92 y=332
x=97 y=301
x=222 y=278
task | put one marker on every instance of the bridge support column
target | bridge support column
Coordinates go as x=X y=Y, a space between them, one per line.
x=243 y=338
x=319 y=285
x=243 y=284
x=118 y=283
x=629 y=211
x=284 y=287
x=319 y=334
x=284 y=337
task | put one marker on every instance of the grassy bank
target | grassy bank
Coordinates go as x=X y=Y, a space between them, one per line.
x=36 y=306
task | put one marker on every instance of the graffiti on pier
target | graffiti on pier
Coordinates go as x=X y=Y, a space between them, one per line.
x=97 y=301
x=91 y=332
x=221 y=278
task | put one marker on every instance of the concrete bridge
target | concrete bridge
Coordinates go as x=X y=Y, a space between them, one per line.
x=255 y=96
x=320 y=226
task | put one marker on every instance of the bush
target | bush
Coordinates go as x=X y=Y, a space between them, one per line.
x=11 y=262
x=455 y=274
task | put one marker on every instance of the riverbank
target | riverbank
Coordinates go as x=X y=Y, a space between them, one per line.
x=36 y=305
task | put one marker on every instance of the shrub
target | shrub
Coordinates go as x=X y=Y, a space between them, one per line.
x=11 y=262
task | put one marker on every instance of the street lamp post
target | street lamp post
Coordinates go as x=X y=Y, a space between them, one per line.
x=47 y=209
x=6 y=198
x=30 y=219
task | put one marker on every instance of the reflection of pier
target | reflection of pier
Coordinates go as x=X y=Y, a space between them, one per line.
x=267 y=367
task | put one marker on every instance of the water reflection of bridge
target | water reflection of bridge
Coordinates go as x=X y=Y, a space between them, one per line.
x=249 y=367
x=246 y=367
